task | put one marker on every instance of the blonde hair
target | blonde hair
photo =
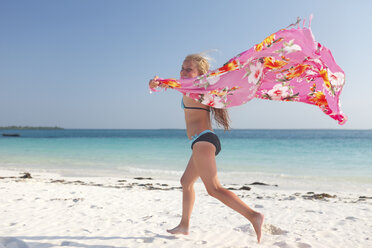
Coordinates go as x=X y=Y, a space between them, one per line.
x=221 y=116
x=200 y=61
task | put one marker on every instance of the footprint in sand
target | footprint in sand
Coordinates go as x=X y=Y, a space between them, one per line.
x=312 y=211
x=10 y=242
x=267 y=228
x=352 y=218
x=201 y=242
x=244 y=228
x=303 y=245
x=284 y=244
x=273 y=230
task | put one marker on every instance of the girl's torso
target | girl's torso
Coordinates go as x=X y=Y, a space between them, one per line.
x=197 y=120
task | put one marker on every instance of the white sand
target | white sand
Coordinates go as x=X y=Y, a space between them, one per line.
x=102 y=213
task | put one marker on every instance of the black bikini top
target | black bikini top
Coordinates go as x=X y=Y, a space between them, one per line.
x=184 y=107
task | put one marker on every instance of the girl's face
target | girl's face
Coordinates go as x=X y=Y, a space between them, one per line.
x=189 y=69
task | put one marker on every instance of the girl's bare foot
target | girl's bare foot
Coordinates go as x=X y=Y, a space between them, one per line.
x=179 y=230
x=257 y=222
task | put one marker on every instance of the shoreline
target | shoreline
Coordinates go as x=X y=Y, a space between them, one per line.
x=132 y=181
x=331 y=184
x=150 y=183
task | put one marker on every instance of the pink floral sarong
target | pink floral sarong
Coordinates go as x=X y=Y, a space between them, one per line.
x=289 y=65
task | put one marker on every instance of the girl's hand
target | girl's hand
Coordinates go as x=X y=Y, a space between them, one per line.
x=153 y=83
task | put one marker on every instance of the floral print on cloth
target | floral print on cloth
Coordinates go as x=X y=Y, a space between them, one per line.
x=289 y=65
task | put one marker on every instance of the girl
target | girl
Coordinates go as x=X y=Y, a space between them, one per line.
x=205 y=146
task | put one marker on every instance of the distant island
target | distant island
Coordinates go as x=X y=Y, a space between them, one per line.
x=28 y=127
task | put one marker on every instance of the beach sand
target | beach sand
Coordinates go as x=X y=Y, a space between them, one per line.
x=48 y=210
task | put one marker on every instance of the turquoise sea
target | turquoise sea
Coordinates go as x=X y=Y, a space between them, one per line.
x=339 y=155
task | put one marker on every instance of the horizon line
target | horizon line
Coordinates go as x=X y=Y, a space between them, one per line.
x=79 y=128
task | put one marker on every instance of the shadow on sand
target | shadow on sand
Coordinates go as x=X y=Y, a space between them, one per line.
x=78 y=241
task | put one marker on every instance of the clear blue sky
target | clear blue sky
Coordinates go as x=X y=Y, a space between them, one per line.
x=86 y=64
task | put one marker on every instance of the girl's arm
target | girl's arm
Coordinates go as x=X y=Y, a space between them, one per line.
x=154 y=83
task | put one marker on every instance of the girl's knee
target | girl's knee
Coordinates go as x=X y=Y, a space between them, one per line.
x=214 y=191
x=185 y=183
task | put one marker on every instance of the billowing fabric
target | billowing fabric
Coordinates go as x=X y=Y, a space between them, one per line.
x=289 y=65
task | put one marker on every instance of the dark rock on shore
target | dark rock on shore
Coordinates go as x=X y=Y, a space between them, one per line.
x=363 y=198
x=6 y=177
x=26 y=175
x=241 y=188
x=263 y=184
x=162 y=184
x=322 y=196
x=143 y=178
x=57 y=181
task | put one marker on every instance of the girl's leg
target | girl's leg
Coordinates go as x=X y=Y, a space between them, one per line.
x=188 y=198
x=204 y=160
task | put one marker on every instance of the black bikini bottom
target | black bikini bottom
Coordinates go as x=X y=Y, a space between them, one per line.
x=211 y=138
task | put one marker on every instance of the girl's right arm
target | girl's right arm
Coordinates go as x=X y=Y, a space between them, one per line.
x=154 y=83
